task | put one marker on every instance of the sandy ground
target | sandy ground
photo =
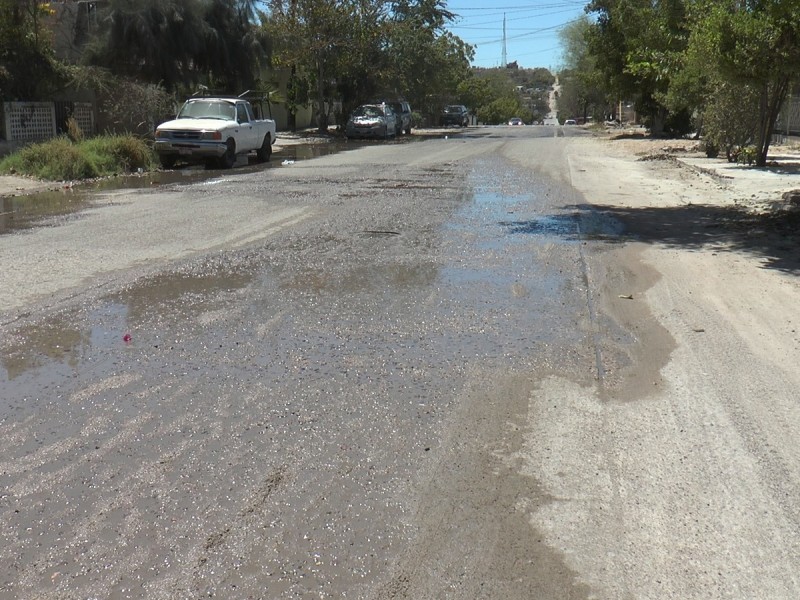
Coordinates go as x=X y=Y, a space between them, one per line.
x=707 y=289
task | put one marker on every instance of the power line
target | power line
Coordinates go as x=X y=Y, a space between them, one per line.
x=580 y=3
x=474 y=25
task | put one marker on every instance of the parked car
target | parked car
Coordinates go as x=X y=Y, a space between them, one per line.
x=455 y=114
x=515 y=121
x=214 y=130
x=402 y=110
x=372 y=120
x=570 y=122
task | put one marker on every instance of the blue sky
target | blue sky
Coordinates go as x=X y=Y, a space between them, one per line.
x=531 y=29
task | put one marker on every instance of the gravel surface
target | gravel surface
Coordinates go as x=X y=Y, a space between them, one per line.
x=502 y=364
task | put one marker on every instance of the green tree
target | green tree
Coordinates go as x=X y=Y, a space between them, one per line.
x=583 y=90
x=730 y=118
x=426 y=62
x=754 y=44
x=181 y=43
x=637 y=46
x=502 y=109
x=475 y=92
x=28 y=70
x=328 y=45
x=361 y=73
x=354 y=50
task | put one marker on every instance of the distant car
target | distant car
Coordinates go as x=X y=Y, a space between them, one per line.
x=570 y=122
x=372 y=120
x=455 y=114
x=515 y=122
x=402 y=110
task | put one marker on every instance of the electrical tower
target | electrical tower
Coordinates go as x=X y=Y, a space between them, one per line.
x=504 y=59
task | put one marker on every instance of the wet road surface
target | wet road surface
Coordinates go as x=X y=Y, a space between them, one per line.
x=333 y=409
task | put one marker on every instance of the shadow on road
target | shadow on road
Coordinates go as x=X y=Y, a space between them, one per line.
x=775 y=238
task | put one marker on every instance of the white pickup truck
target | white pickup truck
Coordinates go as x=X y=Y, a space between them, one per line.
x=214 y=130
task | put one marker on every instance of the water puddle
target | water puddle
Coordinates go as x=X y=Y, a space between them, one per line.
x=561 y=225
x=57 y=347
x=43 y=208
x=521 y=245
x=62 y=346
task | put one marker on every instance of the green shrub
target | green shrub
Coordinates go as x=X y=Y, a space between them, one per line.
x=746 y=155
x=710 y=148
x=60 y=159
x=119 y=153
x=57 y=160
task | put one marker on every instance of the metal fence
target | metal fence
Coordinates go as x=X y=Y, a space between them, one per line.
x=37 y=121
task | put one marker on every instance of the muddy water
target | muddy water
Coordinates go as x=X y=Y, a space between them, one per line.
x=311 y=417
x=22 y=212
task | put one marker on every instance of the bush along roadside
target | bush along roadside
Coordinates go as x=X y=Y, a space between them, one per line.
x=62 y=159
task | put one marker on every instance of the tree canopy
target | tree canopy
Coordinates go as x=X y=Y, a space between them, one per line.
x=181 y=43
x=28 y=70
x=678 y=59
x=356 y=50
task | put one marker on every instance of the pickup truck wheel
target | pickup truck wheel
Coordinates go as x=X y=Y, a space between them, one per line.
x=227 y=160
x=167 y=161
x=265 y=151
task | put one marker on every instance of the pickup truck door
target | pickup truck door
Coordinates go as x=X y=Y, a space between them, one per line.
x=248 y=132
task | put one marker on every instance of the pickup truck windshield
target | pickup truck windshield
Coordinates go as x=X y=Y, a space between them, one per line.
x=208 y=110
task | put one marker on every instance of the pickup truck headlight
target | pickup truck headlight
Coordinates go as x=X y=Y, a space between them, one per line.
x=161 y=134
x=211 y=135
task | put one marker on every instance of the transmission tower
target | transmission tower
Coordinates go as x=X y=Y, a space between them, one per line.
x=504 y=59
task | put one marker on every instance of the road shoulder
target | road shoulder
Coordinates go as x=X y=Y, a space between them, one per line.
x=691 y=444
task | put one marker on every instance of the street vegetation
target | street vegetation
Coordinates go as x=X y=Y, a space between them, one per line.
x=720 y=68
x=64 y=159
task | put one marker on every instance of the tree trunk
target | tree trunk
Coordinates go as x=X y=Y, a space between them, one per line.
x=772 y=99
x=322 y=115
x=291 y=103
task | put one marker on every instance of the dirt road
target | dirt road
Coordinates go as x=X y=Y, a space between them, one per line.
x=508 y=364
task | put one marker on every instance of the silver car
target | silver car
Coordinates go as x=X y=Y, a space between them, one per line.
x=372 y=120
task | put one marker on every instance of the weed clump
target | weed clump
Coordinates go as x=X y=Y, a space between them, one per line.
x=119 y=153
x=62 y=159
x=56 y=160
